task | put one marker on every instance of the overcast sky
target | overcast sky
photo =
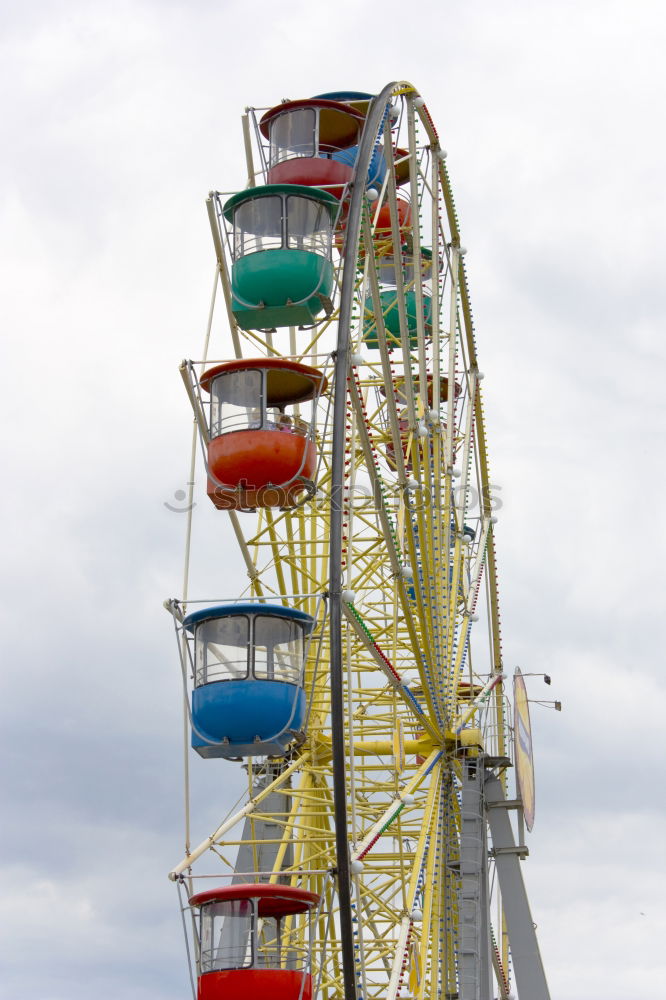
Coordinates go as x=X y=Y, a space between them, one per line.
x=117 y=119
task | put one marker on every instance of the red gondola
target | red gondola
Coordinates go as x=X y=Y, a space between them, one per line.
x=246 y=950
x=305 y=137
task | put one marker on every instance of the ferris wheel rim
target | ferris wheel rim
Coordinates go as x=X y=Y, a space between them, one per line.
x=353 y=227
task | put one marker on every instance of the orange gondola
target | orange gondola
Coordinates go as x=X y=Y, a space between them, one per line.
x=260 y=454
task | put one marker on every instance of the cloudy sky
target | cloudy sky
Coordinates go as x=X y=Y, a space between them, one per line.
x=117 y=119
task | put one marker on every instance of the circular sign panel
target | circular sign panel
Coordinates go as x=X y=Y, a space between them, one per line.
x=523 y=747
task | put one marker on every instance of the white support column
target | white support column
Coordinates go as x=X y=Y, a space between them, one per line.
x=261 y=833
x=258 y=851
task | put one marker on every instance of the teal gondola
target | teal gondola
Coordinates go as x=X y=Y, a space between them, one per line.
x=282 y=271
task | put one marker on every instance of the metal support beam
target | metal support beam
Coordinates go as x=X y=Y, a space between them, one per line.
x=527 y=965
x=474 y=955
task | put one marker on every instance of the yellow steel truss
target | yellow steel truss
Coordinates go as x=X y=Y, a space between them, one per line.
x=417 y=488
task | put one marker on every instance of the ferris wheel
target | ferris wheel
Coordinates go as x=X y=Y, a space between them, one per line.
x=356 y=672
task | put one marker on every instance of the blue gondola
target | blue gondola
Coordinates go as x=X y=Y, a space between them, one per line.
x=361 y=102
x=247 y=662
